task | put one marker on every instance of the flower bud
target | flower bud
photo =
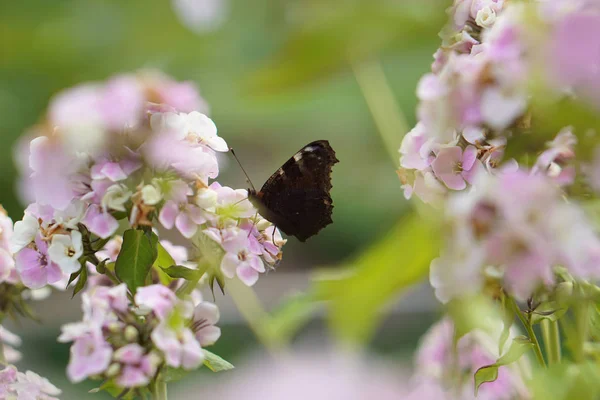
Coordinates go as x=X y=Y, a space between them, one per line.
x=113 y=370
x=151 y=195
x=114 y=327
x=131 y=333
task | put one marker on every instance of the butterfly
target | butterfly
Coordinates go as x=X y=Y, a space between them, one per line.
x=296 y=197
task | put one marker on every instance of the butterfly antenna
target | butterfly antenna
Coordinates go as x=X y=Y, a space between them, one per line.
x=243 y=170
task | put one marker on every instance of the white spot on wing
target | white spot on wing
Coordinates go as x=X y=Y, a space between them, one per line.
x=280 y=172
x=297 y=157
x=308 y=149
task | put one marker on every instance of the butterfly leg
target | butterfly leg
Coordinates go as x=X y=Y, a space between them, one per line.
x=253 y=223
x=273 y=235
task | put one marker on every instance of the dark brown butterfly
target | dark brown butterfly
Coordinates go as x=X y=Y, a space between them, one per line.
x=296 y=197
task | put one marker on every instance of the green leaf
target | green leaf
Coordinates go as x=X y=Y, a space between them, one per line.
x=216 y=363
x=356 y=295
x=114 y=390
x=508 y=319
x=171 y=374
x=179 y=271
x=489 y=373
x=83 y=274
x=163 y=258
x=73 y=276
x=136 y=257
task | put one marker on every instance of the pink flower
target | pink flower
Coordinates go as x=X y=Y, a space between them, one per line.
x=206 y=315
x=90 y=355
x=183 y=96
x=99 y=222
x=52 y=169
x=575 y=53
x=157 y=298
x=239 y=259
x=180 y=347
x=34 y=266
x=185 y=216
x=122 y=102
x=137 y=368
x=436 y=361
x=25 y=386
x=455 y=168
x=416 y=149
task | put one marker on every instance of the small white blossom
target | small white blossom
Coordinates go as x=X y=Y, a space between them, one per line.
x=65 y=251
x=24 y=233
x=485 y=17
x=151 y=195
x=115 y=197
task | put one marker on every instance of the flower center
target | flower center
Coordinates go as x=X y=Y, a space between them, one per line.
x=458 y=168
x=242 y=255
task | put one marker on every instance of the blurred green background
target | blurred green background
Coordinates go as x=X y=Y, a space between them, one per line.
x=277 y=75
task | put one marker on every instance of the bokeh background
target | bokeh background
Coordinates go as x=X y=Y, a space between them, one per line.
x=277 y=74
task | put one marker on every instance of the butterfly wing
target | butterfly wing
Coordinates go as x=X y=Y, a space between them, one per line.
x=297 y=194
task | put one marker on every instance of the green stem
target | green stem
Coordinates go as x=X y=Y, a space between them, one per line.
x=159 y=389
x=251 y=309
x=527 y=325
x=582 y=316
x=551 y=335
x=382 y=103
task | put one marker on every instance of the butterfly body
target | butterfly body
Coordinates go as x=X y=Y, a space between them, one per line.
x=296 y=197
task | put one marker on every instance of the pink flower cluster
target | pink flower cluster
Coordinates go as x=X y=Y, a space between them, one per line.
x=440 y=363
x=477 y=96
x=136 y=148
x=516 y=230
x=128 y=342
x=26 y=386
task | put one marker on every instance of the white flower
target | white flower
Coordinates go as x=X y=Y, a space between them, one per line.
x=70 y=216
x=151 y=195
x=115 y=198
x=206 y=199
x=485 y=17
x=194 y=127
x=24 y=233
x=65 y=251
x=499 y=109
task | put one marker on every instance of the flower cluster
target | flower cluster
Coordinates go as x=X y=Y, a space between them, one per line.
x=128 y=342
x=439 y=362
x=28 y=385
x=477 y=96
x=515 y=230
x=135 y=149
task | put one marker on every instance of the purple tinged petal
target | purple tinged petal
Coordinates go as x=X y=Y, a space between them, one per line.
x=256 y=263
x=131 y=377
x=195 y=214
x=229 y=264
x=168 y=214
x=208 y=335
x=471 y=174
x=129 y=354
x=113 y=171
x=32 y=272
x=468 y=158
x=185 y=225
x=247 y=274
